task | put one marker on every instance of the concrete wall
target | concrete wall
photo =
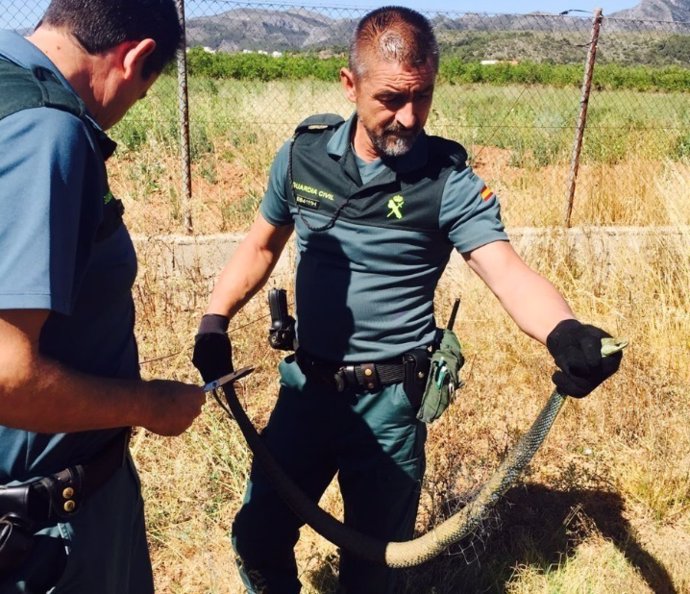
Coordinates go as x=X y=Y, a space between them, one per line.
x=202 y=257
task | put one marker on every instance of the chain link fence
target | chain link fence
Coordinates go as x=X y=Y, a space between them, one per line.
x=510 y=89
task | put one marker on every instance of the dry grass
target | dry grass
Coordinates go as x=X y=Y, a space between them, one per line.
x=605 y=505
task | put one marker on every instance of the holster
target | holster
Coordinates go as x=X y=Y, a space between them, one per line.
x=416 y=364
x=16 y=540
x=57 y=497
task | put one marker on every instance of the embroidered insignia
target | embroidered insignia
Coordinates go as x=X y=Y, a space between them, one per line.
x=395 y=205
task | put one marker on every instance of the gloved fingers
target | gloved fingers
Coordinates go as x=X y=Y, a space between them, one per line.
x=590 y=346
x=568 y=385
x=212 y=355
x=576 y=349
x=578 y=382
x=212 y=373
x=610 y=364
x=590 y=361
x=572 y=361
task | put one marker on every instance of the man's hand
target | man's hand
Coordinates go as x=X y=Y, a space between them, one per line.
x=576 y=349
x=172 y=406
x=72 y=401
x=212 y=351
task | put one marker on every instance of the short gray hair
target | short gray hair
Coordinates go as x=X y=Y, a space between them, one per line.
x=395 y=34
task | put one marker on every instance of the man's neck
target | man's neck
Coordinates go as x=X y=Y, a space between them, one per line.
x=72 y=60
x=362 y=145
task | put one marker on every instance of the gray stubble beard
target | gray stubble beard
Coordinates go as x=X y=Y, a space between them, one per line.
x=399 y=147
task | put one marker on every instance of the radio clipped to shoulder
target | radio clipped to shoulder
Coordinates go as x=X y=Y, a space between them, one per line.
x=281 y=334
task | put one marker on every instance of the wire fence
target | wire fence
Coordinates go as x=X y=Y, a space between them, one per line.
x=511 y=89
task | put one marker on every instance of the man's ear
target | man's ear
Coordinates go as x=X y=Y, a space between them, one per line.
x=135 y=55
x=347 y=79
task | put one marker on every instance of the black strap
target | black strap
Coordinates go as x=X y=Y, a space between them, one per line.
x=62 y=494
x=26 y=88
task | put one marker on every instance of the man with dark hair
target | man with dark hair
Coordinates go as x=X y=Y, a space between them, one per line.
x=101 y=26
x=71 y=511
x=377 y=206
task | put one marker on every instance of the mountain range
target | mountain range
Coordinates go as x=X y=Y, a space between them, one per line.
x=659 y=10
x=302 y=29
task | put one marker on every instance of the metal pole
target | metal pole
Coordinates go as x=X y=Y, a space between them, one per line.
x=582 y=118
x=183 y=113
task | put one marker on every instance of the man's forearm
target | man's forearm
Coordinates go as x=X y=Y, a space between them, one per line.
x=243 y=276
x=50 y=398
x=249 y=268
x=535 y=305
x=532 y=301
x=43 y=396
x=39 y=394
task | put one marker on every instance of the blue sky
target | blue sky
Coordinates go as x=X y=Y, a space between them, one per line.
x=24 y=13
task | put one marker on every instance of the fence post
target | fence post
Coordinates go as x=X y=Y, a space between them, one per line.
x=183 y=114
x=582 y=118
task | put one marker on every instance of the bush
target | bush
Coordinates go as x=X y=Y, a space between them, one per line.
x=453 y=69
x=263 y=67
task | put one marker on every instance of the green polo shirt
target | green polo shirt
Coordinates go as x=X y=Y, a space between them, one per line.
x=374 y=238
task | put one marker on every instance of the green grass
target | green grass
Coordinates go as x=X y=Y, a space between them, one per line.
x=537 y=122
x=520 y=138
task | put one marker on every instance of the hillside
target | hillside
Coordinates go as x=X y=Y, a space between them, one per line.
x=642 y=35
x=301 y=29
x=270 y=30
x=659 y=10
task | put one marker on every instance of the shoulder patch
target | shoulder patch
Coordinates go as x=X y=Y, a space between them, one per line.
x=316 y=123
x=486 y=193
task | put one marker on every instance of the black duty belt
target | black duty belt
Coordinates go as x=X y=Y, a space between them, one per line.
x=359 y=376
x=61 y=495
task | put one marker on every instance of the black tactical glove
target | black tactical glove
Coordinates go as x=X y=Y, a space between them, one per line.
x=576 y=349
x=212 y=351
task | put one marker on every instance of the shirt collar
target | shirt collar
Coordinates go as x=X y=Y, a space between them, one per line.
x=416 y=158
x=20 y=50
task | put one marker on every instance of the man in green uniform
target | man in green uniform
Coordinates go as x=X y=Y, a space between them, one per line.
x=377 y=206
x=71 y=511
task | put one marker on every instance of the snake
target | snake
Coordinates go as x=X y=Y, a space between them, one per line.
x=429 y=545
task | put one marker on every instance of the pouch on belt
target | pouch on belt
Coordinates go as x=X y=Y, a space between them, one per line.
x=443 y=378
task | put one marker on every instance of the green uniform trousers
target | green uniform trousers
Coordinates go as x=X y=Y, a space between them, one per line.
x=373 y=442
